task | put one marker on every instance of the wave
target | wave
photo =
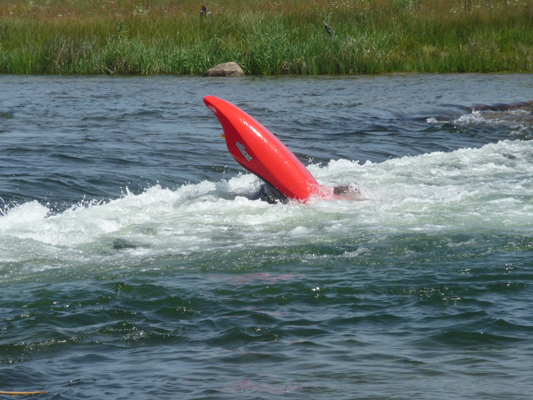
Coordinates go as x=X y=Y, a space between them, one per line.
x=517 y=118
x=469 y=190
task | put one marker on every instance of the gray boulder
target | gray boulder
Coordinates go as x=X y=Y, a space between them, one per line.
x=227 y=69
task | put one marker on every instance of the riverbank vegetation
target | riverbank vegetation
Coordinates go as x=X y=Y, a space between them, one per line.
x=265 y=37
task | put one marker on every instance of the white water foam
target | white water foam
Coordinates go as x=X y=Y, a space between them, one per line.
x=519 y=121
x=487 y=189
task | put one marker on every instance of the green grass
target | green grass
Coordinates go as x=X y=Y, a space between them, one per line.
x=265 y=37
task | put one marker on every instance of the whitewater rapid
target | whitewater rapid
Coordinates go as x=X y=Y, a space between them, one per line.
x=489 y=189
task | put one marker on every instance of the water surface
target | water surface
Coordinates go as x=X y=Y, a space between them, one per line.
x=134 y=265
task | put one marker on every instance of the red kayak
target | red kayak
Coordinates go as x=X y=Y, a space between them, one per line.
x=263 y=154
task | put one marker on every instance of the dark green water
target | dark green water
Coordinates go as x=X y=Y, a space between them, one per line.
x=133 y=264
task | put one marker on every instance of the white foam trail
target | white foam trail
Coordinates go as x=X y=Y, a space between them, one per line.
x=519 y=121
x=487 y=189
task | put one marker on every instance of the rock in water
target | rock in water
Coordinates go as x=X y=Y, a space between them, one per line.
x=227 y=69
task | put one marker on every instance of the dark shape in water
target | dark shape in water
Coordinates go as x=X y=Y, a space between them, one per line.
x=523 y=105
x=122 y=287
x=270 y=194
x=121 y=244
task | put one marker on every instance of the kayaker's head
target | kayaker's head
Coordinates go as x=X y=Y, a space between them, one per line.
x=352 y=190
x=343 y=190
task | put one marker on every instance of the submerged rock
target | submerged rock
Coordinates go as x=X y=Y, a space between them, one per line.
x=227 y=69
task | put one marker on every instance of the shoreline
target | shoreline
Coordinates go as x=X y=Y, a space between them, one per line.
x=121 y=37
x=268 y=76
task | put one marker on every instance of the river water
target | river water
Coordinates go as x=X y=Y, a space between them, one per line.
x=133 y=264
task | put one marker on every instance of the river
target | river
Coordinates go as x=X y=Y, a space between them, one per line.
x=134 y=265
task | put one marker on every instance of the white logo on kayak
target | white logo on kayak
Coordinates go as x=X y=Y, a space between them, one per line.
x=242 y=149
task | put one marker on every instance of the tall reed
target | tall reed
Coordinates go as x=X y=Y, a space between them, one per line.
x=265 y=37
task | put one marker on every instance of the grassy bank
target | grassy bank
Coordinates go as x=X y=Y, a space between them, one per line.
x=265 y=37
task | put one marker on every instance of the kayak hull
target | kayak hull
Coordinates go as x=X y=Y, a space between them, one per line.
x=260 y=152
